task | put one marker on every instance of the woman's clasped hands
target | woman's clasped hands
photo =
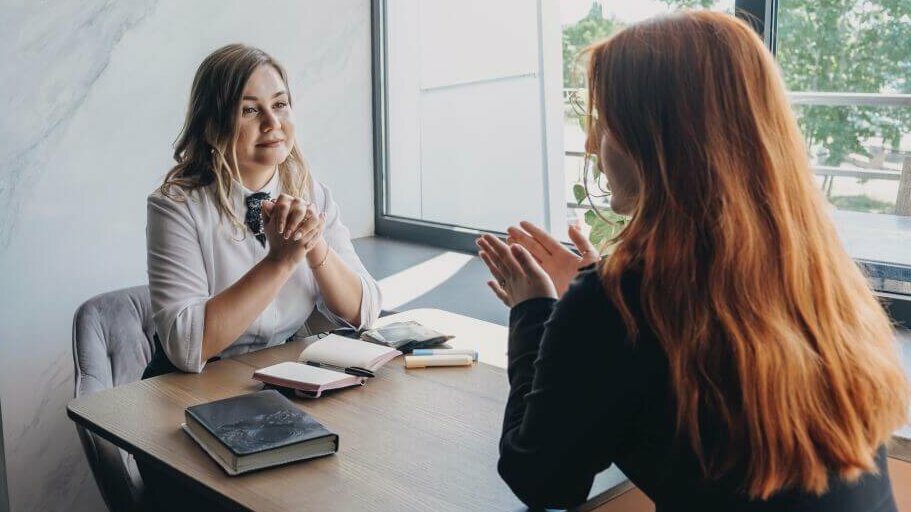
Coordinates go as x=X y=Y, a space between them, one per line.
x=293 y=228
x=533 y=264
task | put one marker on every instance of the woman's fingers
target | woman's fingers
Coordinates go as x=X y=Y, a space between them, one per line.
x=311 y=230
x=484 y=245
x=266 y=208
x=492 y=266
x=499 y=292
x=549 y=243
x=296 y=220
x=519 y=236
x=507 y=262
x=281 y=210
x=586 y=249
x=527 y=262
x=492 y=258
x=300 y=222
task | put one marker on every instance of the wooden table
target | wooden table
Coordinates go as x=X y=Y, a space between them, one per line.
x=419 y=439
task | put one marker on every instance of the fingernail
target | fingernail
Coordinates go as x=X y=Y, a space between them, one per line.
x=298 y=236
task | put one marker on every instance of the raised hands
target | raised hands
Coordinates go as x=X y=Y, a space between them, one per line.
x=518 y=277
x=560 y=263
x=293 y=227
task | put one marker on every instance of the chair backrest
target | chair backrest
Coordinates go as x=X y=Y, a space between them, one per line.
x=112 y=344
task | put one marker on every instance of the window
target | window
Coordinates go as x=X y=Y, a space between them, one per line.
x=474 y=126
x=585 y=22
x=847 y=66
x=478 y=127
x=471 y=97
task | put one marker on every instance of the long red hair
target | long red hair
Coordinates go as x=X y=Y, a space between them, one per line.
x=770 y=328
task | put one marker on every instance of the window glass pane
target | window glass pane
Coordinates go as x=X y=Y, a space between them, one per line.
x=585 y=22
x=465 y=113
x=844 y=46
x=848 y=67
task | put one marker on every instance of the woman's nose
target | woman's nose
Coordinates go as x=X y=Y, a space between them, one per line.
x=270 y=122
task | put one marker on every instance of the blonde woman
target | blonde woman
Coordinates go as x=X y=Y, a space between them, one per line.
x=243 y=244
x=728 y=356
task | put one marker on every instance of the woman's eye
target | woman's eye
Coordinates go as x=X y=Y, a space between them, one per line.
x=281 y=104
x=249 y=110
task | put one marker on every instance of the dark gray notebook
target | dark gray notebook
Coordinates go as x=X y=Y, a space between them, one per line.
x=247 y=432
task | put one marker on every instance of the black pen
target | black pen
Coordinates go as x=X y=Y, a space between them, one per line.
x=351 y=370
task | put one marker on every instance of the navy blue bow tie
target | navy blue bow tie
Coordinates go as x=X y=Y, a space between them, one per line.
x=254 y=217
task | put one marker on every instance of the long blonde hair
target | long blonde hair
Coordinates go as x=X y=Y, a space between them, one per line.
x=770 y=329
x=209 y=131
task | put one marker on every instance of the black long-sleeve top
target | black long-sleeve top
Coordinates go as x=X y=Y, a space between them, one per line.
x=582 y=396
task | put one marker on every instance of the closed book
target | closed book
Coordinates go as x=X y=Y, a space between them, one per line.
x=308 y=381
x=257 y=430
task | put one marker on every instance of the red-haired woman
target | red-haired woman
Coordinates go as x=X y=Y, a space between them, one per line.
x=728 y=355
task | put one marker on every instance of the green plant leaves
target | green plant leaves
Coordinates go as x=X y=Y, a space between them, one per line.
x=579 y=193
x=605 y=226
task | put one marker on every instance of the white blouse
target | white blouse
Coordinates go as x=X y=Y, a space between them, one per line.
x=193 y=255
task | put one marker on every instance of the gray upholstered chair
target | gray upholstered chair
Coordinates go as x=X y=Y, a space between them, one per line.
x=113 y=337
x=112 y=344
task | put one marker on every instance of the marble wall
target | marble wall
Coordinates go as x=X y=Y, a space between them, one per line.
x=93 y=95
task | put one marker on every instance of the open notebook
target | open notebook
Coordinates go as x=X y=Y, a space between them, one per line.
x=346 y=353
x=331 y=362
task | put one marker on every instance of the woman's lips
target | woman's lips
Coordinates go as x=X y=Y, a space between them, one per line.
x=273 y=144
